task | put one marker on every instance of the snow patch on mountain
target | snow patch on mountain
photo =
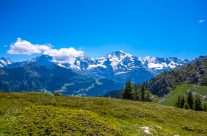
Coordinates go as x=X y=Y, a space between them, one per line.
x=95 y=66
x=155 y=66
x=162 y=63
x=119 y=73
x=4 y=62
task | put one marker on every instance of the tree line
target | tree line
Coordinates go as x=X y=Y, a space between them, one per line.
x=136 y=93
x=191 y=102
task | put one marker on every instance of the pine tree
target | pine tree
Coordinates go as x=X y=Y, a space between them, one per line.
x=136 y=89
x=177 y=104
x=182 y=102
x=186 y=105
x=190 y=100
x=197 y=103
x=148 y=99
x=128 y=91
x=143 y=93
x=138 y=96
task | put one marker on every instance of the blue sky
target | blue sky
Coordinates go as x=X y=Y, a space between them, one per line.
x=160 y=28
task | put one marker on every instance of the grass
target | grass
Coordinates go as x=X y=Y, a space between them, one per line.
x=172 y=97
x=40 y=114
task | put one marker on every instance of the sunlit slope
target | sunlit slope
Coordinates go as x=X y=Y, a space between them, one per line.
x=183 y=89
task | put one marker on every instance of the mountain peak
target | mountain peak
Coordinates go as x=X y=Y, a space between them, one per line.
x=118 y=54
x=121 y=51
x=43 y=56
x=44 y=60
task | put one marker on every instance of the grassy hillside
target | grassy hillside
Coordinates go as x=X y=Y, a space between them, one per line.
x=183 y=89
x=40 y=114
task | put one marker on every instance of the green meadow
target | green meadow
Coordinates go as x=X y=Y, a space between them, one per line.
x=183 y=89
x=43 y=114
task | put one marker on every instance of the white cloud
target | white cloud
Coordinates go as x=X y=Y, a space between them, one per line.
x=71 y=52
x=201 y=21
x=64 y=54
x=27 y=48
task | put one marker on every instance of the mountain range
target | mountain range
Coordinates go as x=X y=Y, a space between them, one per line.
x=194 y=72
x=82 y=75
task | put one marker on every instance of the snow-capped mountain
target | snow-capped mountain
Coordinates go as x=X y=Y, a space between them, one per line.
x=4 y=62
x=82 y=75
x=118 y=66
x=157 y=63
x=121 y=66
x=120 y=60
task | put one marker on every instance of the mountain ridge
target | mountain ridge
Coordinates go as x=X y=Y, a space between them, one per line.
x=84 y=76
x=117 y=65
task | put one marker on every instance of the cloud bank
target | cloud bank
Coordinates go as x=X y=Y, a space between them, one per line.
x=27 y=48
x=64 y=54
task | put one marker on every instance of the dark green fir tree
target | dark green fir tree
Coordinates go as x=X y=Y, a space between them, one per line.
x=177 y=104
x=190 y=100
x=143 y=93
x=148 y=99
x=182 y=102
x=197 y=103
x=128 y=91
